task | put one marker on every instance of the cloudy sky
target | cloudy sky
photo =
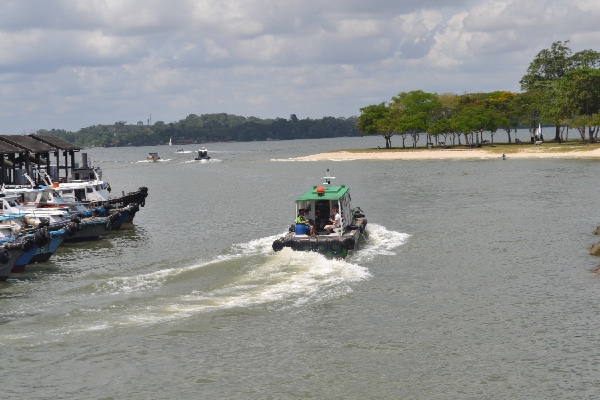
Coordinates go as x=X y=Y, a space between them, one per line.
x=69 y=64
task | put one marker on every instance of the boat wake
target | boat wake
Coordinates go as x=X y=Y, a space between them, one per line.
x=155 y=161
x=248 y=276
x=212 y=160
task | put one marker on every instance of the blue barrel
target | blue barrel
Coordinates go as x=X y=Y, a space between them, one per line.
x=301 y=229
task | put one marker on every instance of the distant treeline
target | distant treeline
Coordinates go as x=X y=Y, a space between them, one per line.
x=208 y=128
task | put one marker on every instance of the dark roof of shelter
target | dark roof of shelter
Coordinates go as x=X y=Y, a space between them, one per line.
x=7 y=148
x=27 y=143
x=57 y=142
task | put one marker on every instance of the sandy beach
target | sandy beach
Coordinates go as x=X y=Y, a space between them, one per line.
x=433 y=154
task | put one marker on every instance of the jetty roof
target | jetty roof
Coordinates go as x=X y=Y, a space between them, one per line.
x=27 y=143
x=56 y=142
x=330 y=193
x=7 y=148
x=34 y=144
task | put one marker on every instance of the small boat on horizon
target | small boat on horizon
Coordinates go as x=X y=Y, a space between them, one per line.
x=202 y=154
x=153 y=157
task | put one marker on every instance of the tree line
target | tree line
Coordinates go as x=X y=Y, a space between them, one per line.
x=220 y=127
x=560 y=89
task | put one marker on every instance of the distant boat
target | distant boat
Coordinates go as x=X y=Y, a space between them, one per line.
x=202 y=154
x=170 y=142
x=153 y=157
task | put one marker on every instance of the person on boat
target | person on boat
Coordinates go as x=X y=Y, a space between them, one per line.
x=335 y=220
x=301 y=219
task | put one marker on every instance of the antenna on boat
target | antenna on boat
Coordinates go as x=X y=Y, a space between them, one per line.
x=328 y=178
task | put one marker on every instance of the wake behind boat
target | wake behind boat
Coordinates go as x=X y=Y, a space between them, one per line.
x=326 y=222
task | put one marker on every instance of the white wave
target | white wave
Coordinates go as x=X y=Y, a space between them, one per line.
x=254 y=277
x=379 y=241
x=284 y=279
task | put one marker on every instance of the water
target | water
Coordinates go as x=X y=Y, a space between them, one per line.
x=475 y=283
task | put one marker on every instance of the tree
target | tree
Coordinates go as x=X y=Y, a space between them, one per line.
x=545 y=72
x=412 y=112
x=580 y=89
x=375 y=120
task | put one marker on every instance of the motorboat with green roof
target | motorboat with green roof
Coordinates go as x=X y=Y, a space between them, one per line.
x=317 y=229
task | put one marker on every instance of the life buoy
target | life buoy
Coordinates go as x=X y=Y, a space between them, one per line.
x=4 y=256
x=335 y=247
x=277 y=245
x=348 y=243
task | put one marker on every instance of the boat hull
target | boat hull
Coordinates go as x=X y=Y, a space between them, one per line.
x=8 y=259
x=332 y=245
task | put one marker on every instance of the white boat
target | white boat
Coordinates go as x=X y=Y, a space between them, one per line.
x=202 y=154
x=153 y=157
x=170 y=142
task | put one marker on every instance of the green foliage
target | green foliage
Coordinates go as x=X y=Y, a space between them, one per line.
x=220 y=127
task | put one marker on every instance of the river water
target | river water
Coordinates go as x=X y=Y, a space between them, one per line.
x=475 y=282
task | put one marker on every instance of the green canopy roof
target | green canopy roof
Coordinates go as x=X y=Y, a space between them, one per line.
x=331 y=193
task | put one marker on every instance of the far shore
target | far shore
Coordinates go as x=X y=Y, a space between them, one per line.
x=549 y=151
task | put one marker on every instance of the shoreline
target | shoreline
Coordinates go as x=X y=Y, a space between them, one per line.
x=441 y=154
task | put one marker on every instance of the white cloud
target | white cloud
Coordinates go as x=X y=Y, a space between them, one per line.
x=68 y=64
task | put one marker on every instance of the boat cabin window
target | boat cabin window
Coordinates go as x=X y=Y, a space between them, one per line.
x=66 y=192
x=10 y=203
x=97 y=187
x=29 y=197
x=89 y=190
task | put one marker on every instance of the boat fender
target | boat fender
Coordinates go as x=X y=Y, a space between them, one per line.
x=335 y=247
x=41 y=237
x=27 y=243
x=289 y=243
x=96 y=212
x=292 y=228
x=321 y=246
x=4 y=255
x=363 y=225
x=277 y=245
x=352 y=227
x=71 y=228
x=348 y=243
x=115 y=217
x=359 y=215
x=304 y=245
x=75 y=219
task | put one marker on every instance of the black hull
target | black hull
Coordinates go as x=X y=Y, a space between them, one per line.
x=335 y=246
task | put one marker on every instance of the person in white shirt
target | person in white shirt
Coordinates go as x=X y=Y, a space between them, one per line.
x=335 y=221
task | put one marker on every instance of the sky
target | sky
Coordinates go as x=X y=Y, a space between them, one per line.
x=71 y=64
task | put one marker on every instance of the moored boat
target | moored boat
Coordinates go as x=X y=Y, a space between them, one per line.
x=333 y=236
